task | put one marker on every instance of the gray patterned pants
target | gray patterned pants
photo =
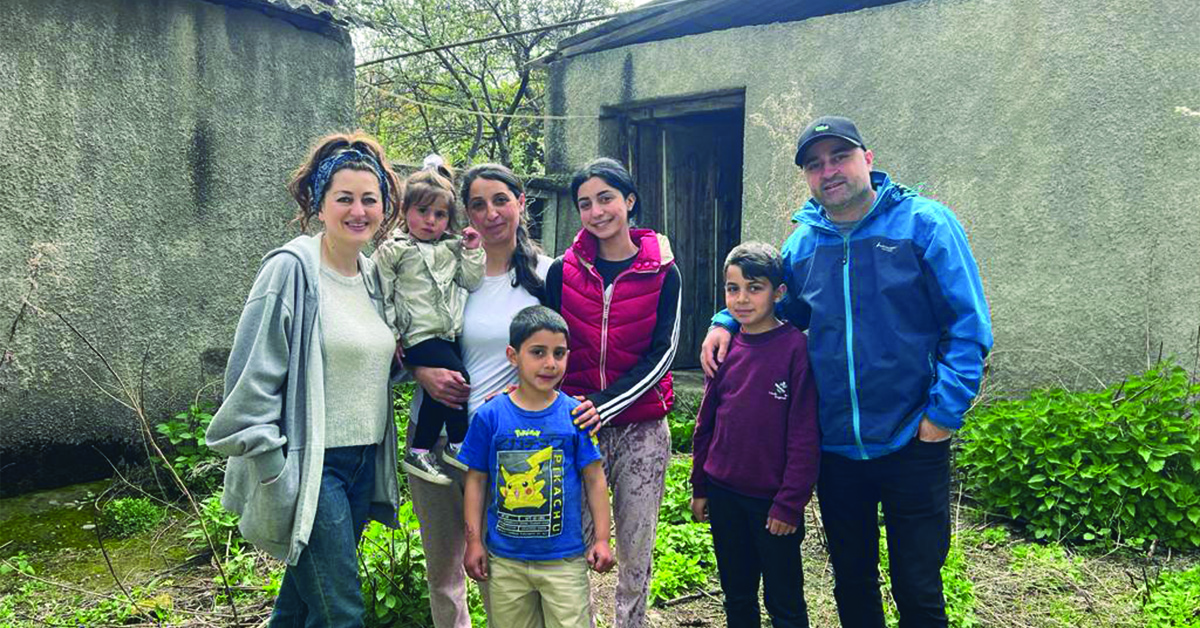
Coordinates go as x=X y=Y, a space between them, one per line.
x=635 y=465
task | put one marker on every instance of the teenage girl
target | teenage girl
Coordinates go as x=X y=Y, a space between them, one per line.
x=618 y=287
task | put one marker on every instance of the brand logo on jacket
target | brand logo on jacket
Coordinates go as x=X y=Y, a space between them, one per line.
x=780 y=391
x=885 y=249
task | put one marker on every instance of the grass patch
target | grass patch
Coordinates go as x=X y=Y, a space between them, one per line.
x=1174 y=600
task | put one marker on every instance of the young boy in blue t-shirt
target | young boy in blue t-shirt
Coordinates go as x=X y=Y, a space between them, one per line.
x=535 y=559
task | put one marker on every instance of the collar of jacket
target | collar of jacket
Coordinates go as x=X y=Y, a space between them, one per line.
x=888 y=195
x=654 y=250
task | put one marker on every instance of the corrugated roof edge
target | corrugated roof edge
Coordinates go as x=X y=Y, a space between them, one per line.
x=645 y=11
x=681 y=18
x=308 y=9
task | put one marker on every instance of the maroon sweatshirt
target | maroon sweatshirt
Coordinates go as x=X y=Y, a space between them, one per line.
x=756 y=432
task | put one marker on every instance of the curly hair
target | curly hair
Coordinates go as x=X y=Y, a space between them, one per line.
x=301 y=188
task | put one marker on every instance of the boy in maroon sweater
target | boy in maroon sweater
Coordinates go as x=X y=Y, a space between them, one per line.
x=756 y=448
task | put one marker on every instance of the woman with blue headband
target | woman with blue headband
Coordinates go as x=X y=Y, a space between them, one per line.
x=307 y=416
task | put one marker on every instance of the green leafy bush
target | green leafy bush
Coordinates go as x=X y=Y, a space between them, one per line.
x=683 y=560
x=198 y=466
x=128 y=516
x=392 y=571
x=1174 y=600
x=221 y=524
x=1123 y=462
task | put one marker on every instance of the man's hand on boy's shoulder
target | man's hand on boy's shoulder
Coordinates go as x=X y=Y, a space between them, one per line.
x=600 y=558
x=496 y=393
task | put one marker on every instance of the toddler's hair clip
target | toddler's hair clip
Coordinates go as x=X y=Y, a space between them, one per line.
x=433 y=161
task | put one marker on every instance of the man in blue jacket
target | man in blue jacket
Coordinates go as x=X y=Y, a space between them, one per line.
x=884 y=281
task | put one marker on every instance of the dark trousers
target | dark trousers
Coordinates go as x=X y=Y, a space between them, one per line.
x=442 y=354
x=913 y=484
x=745 y=552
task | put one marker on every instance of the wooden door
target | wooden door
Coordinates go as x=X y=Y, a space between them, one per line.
x=689 y=175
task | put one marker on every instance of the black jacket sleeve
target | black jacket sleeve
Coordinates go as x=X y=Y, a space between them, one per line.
x=552 y=296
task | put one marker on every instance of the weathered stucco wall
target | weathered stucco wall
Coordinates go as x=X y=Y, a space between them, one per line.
x=1053 y=129
x=146 y=144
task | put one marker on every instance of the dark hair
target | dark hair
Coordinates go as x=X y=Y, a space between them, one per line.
x=613 y=173
x=525 y=256
x=300 y=185
x=427 y=185
x=533 y=319
x=757 y=261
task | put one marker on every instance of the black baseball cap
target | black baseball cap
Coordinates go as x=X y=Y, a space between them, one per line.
x=827 y=126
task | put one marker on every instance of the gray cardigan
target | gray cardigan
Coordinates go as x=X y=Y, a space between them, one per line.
x=272 y=421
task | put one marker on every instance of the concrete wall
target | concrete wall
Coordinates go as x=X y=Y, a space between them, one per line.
x=1058 y=131
x=146 y=144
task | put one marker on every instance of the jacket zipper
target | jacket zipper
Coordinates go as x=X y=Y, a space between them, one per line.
x=862 y=452
x=608 y=294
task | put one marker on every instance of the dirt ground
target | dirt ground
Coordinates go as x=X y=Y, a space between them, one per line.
x=1057 y=587
x=1084 y=590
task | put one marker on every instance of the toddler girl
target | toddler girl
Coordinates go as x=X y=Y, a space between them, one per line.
x=427 y=271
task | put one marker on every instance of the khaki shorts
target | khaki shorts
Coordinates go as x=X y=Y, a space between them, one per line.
x=538 y=593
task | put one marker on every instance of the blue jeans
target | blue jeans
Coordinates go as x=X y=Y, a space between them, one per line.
x=322 y=590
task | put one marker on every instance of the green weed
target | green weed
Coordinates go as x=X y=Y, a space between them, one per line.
x=683 y=554
x=682 y=421
x=985 y=538
x=1174 y=600
x=677 y=498
x=127 y=516
x=392 y=570
x=18 y=563
x=198 y=466
x=683 y=559
x=1120 y=463
x=1044 y=565
x=222 y=525
x=957 y=587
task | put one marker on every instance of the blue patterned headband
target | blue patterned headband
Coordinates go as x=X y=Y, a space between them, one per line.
x=331 y=164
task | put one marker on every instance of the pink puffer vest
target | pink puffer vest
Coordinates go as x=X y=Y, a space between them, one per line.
x=607 y=341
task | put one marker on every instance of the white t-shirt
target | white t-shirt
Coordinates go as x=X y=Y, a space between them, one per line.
x=489 y=311
x=358 y=349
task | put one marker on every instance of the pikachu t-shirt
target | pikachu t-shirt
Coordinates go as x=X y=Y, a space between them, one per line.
x=534 y=462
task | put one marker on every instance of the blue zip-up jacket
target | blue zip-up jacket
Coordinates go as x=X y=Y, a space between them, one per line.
x=898 y=324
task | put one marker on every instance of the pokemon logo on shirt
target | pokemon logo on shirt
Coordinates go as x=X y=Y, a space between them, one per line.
x=524 y=490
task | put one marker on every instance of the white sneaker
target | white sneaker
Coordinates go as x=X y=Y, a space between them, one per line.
x=450 y=455
x=423 y=464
